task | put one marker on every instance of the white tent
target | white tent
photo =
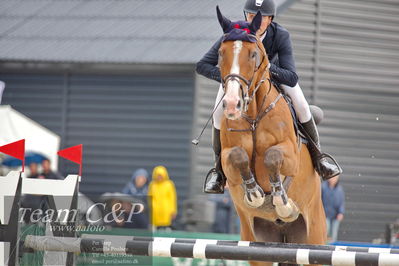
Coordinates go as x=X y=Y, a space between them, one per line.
x=15 y=126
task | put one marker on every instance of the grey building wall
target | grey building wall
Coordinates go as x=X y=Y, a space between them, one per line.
x=123 y=121
x=347 y=59
x=357 y=86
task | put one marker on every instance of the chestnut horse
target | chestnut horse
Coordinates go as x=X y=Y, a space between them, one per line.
x=273 y=184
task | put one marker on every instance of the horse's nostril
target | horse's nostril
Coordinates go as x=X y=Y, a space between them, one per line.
x=224 y=104
x=239 y=105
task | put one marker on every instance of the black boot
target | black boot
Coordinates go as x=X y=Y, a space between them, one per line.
x=215 y=179
x=325 y=169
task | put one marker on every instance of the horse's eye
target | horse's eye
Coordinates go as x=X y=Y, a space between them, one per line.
x=253 y=54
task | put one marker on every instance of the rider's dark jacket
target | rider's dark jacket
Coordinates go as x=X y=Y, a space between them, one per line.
x=279 y=50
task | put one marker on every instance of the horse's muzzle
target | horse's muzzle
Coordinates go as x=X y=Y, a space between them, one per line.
x=232 y=108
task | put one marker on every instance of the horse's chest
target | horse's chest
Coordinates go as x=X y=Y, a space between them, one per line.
x=271 y=132
x=267 y=133
x=242 y=139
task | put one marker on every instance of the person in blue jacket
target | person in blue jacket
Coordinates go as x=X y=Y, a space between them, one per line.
x=277 y=43
x=138 y=185
x=138 y=188
x=333 y=197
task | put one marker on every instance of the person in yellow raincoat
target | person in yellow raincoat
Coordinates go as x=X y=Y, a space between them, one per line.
x=162 y=195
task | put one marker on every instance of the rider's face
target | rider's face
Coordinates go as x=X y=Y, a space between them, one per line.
x=266 y=20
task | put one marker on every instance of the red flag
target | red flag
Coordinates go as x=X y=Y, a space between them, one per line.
x=73 y=154
x=15 y=149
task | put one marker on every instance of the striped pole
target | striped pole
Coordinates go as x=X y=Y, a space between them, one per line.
x=114 y=238
x=203 y=250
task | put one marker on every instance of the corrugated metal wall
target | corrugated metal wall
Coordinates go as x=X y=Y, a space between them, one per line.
x=38 y=96
x=347 y=59
x=357 y=87
x=124 y=122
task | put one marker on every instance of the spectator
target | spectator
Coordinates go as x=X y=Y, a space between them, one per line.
x=138 y=185
x=47 y=172
x=334 y=205
x=138 y=188
x=224 y=212
x=33 y=170
x=162 y=195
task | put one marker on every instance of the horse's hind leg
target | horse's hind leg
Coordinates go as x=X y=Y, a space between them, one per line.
x=284 y=207
x=254 y=195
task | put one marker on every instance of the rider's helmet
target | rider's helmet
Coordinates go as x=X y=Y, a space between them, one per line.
x=266 y=7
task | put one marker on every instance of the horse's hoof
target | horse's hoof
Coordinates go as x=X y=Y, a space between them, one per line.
x=288 y=212
x=255 y=199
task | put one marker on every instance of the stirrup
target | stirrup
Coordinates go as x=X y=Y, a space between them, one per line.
x=213 y=170
x=324 y=156
x=221 y=184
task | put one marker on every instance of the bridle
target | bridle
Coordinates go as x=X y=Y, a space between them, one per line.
x=244 y=88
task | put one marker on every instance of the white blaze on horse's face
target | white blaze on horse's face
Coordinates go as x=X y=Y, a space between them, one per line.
x=232 y=102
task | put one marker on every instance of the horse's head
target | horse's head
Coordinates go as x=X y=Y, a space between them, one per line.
x=241 y=58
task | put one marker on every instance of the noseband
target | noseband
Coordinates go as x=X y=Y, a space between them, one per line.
x=244 y=89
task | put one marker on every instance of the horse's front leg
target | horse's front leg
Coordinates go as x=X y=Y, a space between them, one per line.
x=254 y=195
x=285 y=208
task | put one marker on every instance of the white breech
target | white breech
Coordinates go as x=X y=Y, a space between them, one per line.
x=218 y=114
x=301 y=106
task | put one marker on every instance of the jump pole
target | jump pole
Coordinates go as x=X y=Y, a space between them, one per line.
x=116 y=238
x=200 y=250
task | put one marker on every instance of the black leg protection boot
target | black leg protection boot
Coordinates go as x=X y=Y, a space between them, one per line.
x=215 y=179
x=325 y=169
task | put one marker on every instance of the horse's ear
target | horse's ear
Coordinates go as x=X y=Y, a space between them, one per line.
x=256 y=22
x=224 y=22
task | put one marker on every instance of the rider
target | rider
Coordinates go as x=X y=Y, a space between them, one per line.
x=277 y=43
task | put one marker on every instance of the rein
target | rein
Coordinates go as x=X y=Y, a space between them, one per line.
x=254 y=122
